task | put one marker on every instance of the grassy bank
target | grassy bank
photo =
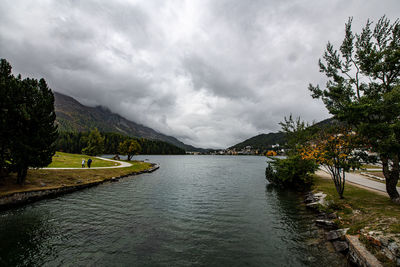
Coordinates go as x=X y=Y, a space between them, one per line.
x=67 y=160
x=371 y=166
x=49 y=179
x=360 y=208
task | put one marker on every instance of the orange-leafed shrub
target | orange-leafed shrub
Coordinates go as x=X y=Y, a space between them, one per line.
x=271 y=153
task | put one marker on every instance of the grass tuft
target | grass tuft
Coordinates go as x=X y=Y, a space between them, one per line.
x=361 y=208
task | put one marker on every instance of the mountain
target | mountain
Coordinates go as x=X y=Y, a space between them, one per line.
x=264 y=141
x=327 y=123
x=75 y=117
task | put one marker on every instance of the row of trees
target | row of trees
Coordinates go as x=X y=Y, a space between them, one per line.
x=29 y=135
x=363 y=93
x=334 y=147
x=95 y=143
x=27 y=128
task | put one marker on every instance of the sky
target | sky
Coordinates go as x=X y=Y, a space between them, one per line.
x=211 y=73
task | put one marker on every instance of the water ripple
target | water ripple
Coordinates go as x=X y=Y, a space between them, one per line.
x=195 y=210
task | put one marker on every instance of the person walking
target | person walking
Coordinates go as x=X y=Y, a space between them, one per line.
x=83 y=163
x=89 y=162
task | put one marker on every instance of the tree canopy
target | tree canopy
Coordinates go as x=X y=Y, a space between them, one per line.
x=28 y=132
x=95 y=145
x=363 y=89
x=129 y=147
x=74 y=142
x=334 y=149
x=294 y=171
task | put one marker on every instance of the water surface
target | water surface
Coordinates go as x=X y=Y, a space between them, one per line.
x=194 y=210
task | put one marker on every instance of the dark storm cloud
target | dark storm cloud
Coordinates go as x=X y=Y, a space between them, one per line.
x=206 y=76
x=211 y=73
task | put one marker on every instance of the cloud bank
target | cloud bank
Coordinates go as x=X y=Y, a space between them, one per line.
x=211 y=73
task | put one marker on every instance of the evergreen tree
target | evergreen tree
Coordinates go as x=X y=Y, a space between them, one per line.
x=75 y=142
x=363 y=89
x=28 y=132
x=7 y=82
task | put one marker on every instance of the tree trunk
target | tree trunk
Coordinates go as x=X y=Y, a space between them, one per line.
x=22 y=175
x=19 y=175
x=338 y=179
x=129 y=157
x=343 y=181
x=391 y=177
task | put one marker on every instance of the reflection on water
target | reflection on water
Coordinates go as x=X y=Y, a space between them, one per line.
x=195 y=210
x=295 y=218
x=25 y=236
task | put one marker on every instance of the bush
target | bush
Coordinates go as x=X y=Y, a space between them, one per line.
x=291 y=172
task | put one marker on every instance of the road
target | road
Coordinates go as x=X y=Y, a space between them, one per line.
x=360 y=180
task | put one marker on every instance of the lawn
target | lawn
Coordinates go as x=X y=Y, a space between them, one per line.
x=370 y=166
x=41 y=179
x=361 y=208
x=66 y=160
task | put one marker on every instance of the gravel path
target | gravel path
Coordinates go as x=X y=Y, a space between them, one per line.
x=122 y=164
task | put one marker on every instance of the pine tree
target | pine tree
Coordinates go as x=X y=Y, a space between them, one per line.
x=7 y=82
x=28 y=132
x=363 y=89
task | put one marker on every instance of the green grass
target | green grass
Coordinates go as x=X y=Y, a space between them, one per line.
x=370 y=166
x=361 y=208
x=41 y=179
x=66 y=160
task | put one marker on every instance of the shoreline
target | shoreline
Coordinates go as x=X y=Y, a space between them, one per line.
x=17 y=199
x=349 y=232
x=344 y=244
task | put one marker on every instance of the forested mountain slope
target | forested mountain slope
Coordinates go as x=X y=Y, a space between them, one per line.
x=72 y=116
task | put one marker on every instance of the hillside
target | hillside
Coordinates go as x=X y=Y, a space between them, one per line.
x=75 y=117
x=261 y=141
x=264 y=141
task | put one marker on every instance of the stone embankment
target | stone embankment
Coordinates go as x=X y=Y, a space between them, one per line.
x=350 y=245
x=21 y=198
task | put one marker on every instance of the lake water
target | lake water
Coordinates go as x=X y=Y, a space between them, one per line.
x=194 y=210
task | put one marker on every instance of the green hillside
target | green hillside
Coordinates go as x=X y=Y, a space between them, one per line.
x=262 y=141
x=265 y=141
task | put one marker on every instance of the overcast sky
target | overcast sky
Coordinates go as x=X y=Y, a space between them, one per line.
x=211 y=73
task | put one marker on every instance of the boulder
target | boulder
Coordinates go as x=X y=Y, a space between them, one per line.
x=309 y=198
x=340 y=246
x=334 y=235
x=320 y=195
x=394 y=248
x=358 y=254
x=327 y=224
